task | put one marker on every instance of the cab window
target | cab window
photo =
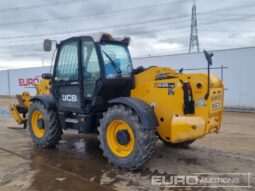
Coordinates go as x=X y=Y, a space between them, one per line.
x=67 y=66
x=117 y=61
x=91 y=69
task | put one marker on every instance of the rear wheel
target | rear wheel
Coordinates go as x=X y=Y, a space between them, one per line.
x=43 y=125
x=123 y=139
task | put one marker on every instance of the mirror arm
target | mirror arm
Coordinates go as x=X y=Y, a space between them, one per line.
x=208 y=82
x=208 y=57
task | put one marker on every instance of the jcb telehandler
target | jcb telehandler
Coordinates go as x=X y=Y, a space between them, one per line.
x=94 y=89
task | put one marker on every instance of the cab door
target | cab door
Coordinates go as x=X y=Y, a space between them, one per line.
x=91 y=71
x=66 y=82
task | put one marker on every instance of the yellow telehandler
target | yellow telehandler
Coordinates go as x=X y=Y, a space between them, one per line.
x=94 y=89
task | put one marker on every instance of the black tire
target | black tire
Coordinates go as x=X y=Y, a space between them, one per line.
x=183 y=145
x=53 y=131
x=145 y=139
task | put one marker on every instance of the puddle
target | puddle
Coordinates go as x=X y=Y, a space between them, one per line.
x=77 y=163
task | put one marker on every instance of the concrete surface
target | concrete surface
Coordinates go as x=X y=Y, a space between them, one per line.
x=77 y=162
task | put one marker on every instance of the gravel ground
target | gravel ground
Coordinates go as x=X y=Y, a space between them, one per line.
x=77 y=162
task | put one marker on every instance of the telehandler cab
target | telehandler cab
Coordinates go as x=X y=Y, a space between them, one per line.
x=94 y=89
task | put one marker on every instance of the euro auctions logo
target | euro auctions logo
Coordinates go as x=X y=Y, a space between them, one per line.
x=205 y=180
x=28 y=82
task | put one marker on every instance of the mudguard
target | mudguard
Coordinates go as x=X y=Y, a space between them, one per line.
x=47 y=100
x=143 y=110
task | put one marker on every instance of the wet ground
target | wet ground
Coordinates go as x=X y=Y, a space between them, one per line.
x=77 y=162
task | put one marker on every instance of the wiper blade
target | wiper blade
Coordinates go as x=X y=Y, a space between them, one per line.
x=117 y=68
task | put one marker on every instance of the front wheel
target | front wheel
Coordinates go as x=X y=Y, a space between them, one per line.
x=123 y=139
x=43 y=125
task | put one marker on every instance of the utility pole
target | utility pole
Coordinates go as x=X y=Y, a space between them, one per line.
x=194 y=43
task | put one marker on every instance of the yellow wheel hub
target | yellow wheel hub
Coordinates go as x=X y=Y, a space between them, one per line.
x=38 y=125
x=120 y=138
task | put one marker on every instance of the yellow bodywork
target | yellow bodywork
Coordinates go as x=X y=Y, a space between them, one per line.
x=16 y=115
x=43 y=87
x=19 y=110
x=24 y=103
x=174 y=125
x=168 y=103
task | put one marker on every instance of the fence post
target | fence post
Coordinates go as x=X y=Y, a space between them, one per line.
x=221 y=71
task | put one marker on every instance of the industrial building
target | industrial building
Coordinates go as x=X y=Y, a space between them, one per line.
x=234 y=66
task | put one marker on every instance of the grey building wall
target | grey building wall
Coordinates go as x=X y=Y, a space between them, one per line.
x=238 y=78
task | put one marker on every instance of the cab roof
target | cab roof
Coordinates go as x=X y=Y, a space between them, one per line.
x=98 y=37
x=103 y=36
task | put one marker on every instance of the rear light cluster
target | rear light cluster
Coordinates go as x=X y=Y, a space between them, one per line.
x=189 y=107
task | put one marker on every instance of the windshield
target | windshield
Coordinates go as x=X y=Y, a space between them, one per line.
x=117 y=61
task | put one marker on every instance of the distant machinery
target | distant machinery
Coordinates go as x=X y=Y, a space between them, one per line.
x=194 y=43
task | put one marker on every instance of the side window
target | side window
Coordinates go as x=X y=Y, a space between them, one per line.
x=91 y=69
x=67 y=66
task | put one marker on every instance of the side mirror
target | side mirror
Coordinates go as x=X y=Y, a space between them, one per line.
x=47 y=76
x=47 y=44
x=208 y=57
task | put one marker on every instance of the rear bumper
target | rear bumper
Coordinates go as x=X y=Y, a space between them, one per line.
x=214 y=124
x=184 y=128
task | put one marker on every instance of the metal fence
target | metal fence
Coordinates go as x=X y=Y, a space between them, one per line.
x=221 y=68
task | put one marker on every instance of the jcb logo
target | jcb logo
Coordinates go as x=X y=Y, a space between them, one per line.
x=69 y=98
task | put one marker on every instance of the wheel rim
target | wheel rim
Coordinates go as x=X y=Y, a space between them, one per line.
x=121 y=150
x=38 y=125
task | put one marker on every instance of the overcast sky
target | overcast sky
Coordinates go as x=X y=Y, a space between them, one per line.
x=156 y=27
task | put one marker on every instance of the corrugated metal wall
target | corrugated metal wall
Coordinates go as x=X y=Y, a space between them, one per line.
x=4 y=88
x=25 y=79
x=18 y=80
x=238 y=78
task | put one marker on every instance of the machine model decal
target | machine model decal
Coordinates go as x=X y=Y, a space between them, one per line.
x=170 y=91
x=69 y=98
x=170 y=87
x=164 y=85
